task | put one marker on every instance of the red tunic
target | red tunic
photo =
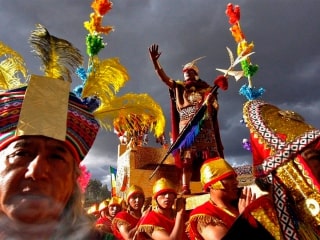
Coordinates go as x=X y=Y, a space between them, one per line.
x=104 y=224
x=207 y=214
x=156 y=221
x=123 y=218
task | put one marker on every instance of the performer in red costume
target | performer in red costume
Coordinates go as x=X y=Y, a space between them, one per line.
x=212 y=219
x=187 y=97
x=164 y=222
x=124 y=223
x=108 y=211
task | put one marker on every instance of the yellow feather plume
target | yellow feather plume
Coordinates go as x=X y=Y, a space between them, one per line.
x=132 y=113
x=105 y=79
x=10 y=68
x=60 y=59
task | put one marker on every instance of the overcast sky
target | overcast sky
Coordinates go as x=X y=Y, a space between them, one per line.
x=286 y=36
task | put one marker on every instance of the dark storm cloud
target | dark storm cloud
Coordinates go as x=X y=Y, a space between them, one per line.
x=286 y=36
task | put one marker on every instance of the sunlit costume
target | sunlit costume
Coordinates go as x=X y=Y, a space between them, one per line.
x=124 y=217
x=188 y=98
x=154 y=220
x=194 y=121
x=212 y=172
x=283 y=145
x=103 y=223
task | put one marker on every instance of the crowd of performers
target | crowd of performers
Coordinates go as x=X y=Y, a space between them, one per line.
x=46 y=131
x=286 y=167
x=230 y=212
x=165 y=216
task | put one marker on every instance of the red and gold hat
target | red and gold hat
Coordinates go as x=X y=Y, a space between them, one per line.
x=46 y=107
x=133 y=189
x=116 y=201
x=103 y=205
x=213 y=170
x=276 y=135
x=278 y=140
x=93 y=209
x=161 y=186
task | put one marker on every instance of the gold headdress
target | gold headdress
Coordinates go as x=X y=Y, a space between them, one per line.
x=277 y=139
x=103 y=205
x=213 y=170
x=161 y=186
x=115 y=201
x=132 y=190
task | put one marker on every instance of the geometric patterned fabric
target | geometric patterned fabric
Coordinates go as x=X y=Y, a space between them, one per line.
x=283 y=213
x=277 y=138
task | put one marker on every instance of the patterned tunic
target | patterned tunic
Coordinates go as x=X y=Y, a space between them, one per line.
x=207 y=143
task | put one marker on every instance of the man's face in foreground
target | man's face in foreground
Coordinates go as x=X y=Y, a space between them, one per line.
x=36 y=179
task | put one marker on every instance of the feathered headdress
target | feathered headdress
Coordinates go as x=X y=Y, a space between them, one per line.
x=43 y=105
x=59 y=58
x=192 y=65
x=244 y=50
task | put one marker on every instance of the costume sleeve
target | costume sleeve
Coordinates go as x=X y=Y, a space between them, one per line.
x=198 y=221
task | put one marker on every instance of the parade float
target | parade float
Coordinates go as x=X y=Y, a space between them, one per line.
x=133 y=116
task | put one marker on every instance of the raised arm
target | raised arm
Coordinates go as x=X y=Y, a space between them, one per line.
x=154 y=56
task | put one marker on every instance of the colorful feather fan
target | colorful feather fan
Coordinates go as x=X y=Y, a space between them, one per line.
x=58 y=56
x=248 y=69
x=243 y=49
x=131 y=113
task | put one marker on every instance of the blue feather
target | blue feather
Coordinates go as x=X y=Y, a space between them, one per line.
x=189 y=138
x=251 y=93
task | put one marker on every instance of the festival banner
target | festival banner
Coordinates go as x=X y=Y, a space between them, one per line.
x=113 y=173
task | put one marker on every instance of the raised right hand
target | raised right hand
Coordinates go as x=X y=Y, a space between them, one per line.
x=154 y=52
